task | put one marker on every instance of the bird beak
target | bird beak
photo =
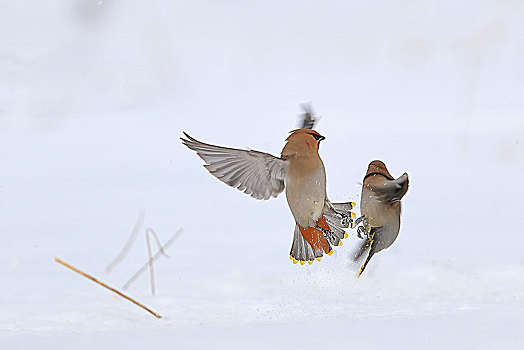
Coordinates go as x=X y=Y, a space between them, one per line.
x=321 y=138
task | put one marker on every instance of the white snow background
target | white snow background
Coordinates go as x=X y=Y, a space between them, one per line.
x=94 y=96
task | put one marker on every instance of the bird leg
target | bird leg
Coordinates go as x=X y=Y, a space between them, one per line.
x=326 y=233
x=361 y=231
x=345 y=219
x=365 y=229
x=359 y=220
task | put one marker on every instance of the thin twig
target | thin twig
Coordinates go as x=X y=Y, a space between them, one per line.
x=129 y=242
x=149 y=232
x=108 y=287
x=153 y=259
x=149 y=258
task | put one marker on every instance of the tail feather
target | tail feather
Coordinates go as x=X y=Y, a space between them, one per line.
x=363 y=248
x=372 y=247
x=310 y=242
x=335 y=235
x=301 y=250
x=315 y=238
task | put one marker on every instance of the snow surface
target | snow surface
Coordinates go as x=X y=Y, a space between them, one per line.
x=94 y=96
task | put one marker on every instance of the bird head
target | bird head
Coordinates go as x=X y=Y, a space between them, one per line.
x=378 y=167
x=303 y=141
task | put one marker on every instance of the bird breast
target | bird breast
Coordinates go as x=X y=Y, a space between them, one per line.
x=383 y=215
x=306 y=190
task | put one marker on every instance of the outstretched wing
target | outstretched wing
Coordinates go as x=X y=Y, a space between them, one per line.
x=390 y=190
x=258 y=174
x=308 y=116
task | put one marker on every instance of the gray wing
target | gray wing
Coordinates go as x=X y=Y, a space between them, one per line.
x=258 y=174
x=308 y=116
x=338 y=215
x=391 y=191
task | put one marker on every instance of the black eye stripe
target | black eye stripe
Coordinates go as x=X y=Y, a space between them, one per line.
x=316 y=136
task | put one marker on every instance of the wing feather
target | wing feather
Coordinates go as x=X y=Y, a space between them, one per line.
x=390 y=190
x=258 y=174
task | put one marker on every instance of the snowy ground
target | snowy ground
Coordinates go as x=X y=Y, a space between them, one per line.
x=94 y=96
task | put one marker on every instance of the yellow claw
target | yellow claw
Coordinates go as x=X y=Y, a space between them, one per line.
x=331 y=252
x=310 y=262
x=319 y=258
x=302 y=262
x=345 y=235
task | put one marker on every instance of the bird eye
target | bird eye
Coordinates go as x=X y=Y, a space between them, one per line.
x=317 y=136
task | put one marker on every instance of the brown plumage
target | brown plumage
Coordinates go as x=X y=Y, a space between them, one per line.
x=380 y=208
x=319 y=223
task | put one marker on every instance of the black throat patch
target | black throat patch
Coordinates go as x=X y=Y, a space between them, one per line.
x=381 y=174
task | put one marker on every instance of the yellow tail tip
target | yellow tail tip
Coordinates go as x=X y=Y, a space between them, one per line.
x=295 y=261
x=353 y=204
x=330 y=252
x=346 y=235
x=362 y=268
x=319 y=258
x=339 y=243
x=310 y=262
x=353 y=215
x=302 y=262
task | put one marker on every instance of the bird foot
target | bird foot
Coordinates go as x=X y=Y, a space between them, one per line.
x=359 y=220
x=326 y=233
x=361 y=231
x=346 y=218
x=364 y=233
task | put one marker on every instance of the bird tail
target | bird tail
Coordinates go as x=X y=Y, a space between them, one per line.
x=311 y=243
x=361 y=250
x=301 y=250
x=372 y=247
